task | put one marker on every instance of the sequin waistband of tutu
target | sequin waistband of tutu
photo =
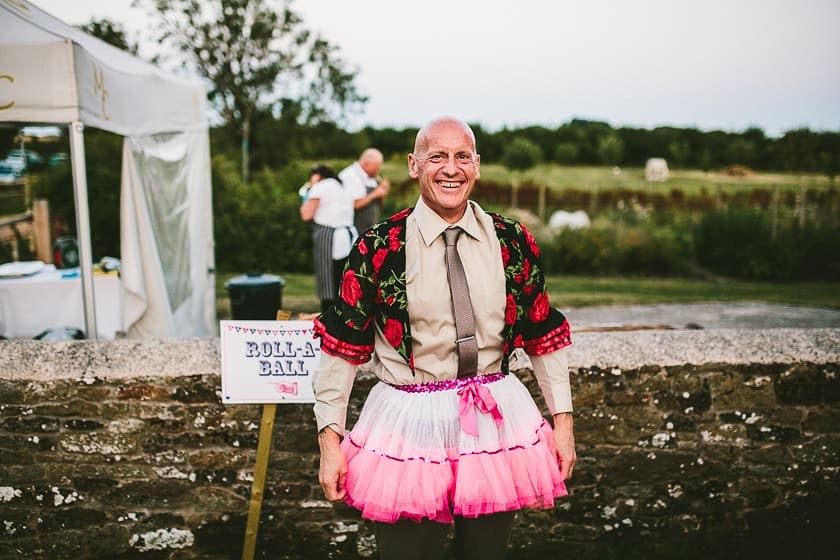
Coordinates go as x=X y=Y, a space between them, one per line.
x=449 y=384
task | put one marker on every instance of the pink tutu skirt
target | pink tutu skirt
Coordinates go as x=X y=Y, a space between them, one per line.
x=465 y=447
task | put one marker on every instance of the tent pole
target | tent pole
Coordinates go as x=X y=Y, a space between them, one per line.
x=80 y=195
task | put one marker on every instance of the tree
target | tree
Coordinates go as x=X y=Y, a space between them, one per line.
x=610 y=149
x=392 y=142
x=110 y=32
x=798 y=150
x=829 y=154
x=679 y=150
x=566 y=153
x=585 y=134
x=257 y=55
x=521 y=154
x=741 y=151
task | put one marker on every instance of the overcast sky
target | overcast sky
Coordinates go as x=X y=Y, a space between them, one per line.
x=713 y=64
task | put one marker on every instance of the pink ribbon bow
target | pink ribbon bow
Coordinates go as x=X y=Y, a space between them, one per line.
x=474 y=395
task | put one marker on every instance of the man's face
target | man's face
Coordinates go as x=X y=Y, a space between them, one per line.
x=446 y=166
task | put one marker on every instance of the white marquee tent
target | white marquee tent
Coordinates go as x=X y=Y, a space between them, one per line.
x=52 y=73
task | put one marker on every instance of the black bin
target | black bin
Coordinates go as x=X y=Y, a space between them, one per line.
x=66 y=252
x=255 y=296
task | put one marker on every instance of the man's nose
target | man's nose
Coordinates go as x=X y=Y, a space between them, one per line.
x=450 y=168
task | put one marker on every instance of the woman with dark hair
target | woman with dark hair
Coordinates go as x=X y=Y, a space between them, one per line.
x=330 y=207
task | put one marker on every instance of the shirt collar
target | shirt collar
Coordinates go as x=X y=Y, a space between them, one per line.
x=431 y=225
x=362 y=173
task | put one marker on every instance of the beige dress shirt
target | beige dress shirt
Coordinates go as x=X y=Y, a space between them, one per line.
x=433 y=322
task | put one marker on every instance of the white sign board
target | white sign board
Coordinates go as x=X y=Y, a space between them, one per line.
x=268 y=361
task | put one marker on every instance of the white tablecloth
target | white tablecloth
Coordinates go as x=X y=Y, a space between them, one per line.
x=53 y=299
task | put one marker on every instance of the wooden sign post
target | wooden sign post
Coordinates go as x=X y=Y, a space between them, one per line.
x=258 y=485
x=268 y=363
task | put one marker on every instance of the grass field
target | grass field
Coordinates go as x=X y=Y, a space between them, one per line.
x=580 y=291
x=574 y=291
x=691 y=182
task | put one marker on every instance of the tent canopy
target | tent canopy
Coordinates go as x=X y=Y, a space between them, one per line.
x=52 y=73
x=55 y=73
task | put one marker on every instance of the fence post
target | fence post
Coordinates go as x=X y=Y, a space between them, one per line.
x=541 y=202
x=803 y=194
x=514 y=192
x=41 y=229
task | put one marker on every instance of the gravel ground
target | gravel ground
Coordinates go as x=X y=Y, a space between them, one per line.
x=729 y=315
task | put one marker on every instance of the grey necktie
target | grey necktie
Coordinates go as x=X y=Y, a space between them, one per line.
x=461 y=305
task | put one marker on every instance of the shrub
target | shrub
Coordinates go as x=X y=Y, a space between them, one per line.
x=610 y=149
x=566 y=153
x=660 y=251
x=740 y=243
x=611 y=247
x=580 y=251
x=258 y=227
x=521 y=154
x=815 y=253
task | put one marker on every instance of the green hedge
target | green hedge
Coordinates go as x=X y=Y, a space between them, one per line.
x=258 y=226
x=609 y=248
x=737 y=243
x=740 y=243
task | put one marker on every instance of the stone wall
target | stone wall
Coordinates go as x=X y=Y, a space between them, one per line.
x=712 y=444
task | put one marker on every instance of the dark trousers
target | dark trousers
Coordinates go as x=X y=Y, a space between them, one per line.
x=480 y=538
x=338 y=270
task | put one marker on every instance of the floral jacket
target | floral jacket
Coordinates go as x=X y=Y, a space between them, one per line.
x=373 y=290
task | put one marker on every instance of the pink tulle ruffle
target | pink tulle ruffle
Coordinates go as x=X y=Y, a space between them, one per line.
x=386 y=488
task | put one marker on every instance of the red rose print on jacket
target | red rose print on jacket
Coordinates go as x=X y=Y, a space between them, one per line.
x=539 y=311
x=510 y=310
x=378 y=259
x=351 y=291
x=393 y=332
x=400 y=215
x=532 y=243
x=394 y=239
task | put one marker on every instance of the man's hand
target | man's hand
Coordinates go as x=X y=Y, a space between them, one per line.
x=564 y=442
x=382 y=188
x=332 y=473
x=378 y=192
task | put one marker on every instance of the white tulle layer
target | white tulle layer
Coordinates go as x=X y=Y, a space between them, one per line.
x=409 y=458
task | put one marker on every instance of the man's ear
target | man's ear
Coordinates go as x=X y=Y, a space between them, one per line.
x=413 y=171
x=478 y=166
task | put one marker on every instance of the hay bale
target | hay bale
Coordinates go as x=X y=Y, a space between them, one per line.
x=656 y=170
x=572 y=220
